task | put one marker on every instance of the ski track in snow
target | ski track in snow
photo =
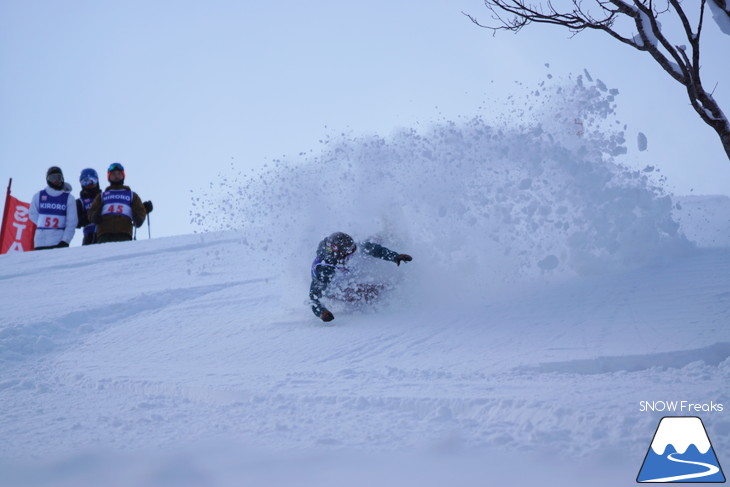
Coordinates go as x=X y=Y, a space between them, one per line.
x=202 y=350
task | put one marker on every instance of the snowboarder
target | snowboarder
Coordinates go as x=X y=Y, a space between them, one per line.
x=89 y=180
x=117 y=209
x=53 y=210
x=332 y=255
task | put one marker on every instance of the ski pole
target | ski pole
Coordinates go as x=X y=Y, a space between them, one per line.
x=149 y=231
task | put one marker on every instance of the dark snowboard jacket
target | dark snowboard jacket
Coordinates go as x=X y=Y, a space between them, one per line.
x=116 y=224
x=325 y=267
x=85 y=195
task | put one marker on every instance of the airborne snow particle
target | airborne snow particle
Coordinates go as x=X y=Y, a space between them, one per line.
x=642 y=141
x=548 y=263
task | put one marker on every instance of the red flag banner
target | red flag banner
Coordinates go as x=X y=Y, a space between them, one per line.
x=17 y=229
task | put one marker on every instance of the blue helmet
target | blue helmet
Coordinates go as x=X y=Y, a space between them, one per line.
x=88 y=178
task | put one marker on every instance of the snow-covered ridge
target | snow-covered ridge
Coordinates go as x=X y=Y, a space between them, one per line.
x=202 y=348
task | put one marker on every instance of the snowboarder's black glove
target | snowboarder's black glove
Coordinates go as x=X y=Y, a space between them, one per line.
x=326 y=315
x=402 y=258
x=147 y=206
x=61 y=244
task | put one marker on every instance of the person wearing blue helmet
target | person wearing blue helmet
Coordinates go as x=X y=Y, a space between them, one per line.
x=89 y=180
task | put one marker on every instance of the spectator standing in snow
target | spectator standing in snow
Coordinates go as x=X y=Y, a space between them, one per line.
x=53 y=210
x=118 y=209
x=89 y=180
x=332 y=255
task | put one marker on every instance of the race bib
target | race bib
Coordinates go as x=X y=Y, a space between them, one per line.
x=52 y=210
x=117 y=209
x=51 y=221
x=117 y=202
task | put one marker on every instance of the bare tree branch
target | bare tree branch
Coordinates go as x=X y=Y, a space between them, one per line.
x=513 y=15
x=721 y=13
x=724 y=6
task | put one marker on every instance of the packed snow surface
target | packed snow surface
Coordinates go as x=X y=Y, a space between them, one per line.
x=553 y=292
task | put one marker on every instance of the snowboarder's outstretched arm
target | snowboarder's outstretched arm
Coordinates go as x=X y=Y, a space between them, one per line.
x=333 y=251
x=322 y=275
x=380 y=252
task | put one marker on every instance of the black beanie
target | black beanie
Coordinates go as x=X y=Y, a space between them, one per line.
x=54 y=170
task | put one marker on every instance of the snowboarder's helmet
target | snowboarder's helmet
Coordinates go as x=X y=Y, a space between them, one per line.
x=88 y=178
x=54 y=177
x=341 y=244
x=115 y=166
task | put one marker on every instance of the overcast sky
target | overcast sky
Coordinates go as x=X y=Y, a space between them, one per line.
x=179 y=90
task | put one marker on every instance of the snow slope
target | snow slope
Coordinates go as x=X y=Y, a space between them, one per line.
x=193 y=348
x=551 y=292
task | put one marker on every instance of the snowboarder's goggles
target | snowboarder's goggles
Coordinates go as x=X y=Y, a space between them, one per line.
x=89 y=181
x=55 y=178
x=115 y=167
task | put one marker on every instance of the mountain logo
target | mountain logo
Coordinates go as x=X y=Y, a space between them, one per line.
x=680 y=452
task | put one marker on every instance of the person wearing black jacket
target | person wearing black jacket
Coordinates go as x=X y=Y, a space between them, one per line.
x=332 y=254
x=89 y=180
